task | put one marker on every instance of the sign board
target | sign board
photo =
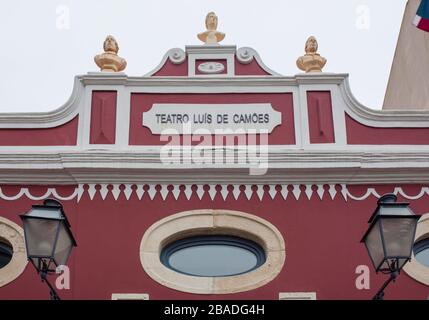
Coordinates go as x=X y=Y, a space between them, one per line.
x=211 y=118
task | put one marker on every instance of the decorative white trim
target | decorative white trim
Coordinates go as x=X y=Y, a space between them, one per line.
x=13 y=234
x=49 y=192
x=49 y=119
x=130 y=296
x=413 y=268
x=211 y=67
x=167 y=190
x=356 y=166
x=94 y=163
x=176 y=55
x=381 y=118
x=210 y=49
x=277 y=83
x=297 y=296
x=212 y=221
x=246 y=55
x=214 y=110
x=230 y=66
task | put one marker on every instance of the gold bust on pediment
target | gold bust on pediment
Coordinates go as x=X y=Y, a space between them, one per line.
x=211 y=35
x=311 y=61
x=109 y=61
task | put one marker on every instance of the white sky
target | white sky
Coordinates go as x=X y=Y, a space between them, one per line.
x=42 y=52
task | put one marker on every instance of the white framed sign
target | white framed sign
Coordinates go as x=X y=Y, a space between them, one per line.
x=215 y=118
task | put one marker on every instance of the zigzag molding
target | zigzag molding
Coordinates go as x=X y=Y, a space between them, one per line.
x=198 y=191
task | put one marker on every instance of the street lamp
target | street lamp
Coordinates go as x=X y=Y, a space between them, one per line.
x=390 y=237
x=48 y=239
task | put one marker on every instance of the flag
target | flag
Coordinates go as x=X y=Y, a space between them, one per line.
x=421 y=19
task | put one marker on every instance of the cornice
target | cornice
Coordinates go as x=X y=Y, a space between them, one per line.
x=381 y=118
x=284 y=167
x=217 y=84
x=211 y=49
x=48 y=119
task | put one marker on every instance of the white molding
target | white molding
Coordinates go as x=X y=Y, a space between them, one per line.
x=49 y=119
x=45 y=119
x=218 y=84
x=271 y=84
x=151 y=121
x=211 y=52
x=381 y=118
x=172 y=191
x=122 y=118
x=130 y=296
x=14 y=234
x=211 y=67
x=210 y=49
x=297 y=296
x=301 y=163
x=230 y=67
x=203 y=221
x=414 y=268
x=123 y=109
x=246 y=55
x=175 y=55
x=376 y=165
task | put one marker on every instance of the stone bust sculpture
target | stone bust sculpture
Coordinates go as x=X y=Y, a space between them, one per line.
x=311 y=61
x=109 y=61
x=211 y=35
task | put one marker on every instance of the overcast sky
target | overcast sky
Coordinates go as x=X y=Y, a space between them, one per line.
x=46 y=43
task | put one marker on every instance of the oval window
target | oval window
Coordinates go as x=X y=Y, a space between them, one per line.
x=6 y=253
x=421 y=252
x=213 y=256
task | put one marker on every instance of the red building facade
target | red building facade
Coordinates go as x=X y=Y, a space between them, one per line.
x=321 y=162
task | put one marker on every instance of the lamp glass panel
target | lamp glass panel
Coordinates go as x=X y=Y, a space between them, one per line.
x=40 y=236
x=374 y=244
x=397 y=210
x=64 y=245
x=398 y=235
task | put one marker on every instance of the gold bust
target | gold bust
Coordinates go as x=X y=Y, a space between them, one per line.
x=211 y=35
x=311 y=61
x=109 y=61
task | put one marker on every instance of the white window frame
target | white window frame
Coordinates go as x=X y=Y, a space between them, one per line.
x=297 y=296
x=130 y=296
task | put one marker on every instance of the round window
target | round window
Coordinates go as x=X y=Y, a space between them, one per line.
x=213 y=256
x=421 y=252
x=6 y=252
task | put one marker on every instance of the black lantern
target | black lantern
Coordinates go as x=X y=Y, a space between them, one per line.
x=390 y=236
x=48 y=238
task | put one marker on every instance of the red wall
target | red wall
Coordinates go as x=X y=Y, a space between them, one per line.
x=103 y=117
x=64 y=135
x=250 y=69
x=142 y=102
x=358 y=133
x=171 y=69
x=322 y=245
x=320 y=121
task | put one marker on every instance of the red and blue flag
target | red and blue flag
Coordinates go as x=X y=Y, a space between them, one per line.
x=421 y=20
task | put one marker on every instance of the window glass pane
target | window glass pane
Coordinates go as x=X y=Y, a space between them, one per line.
x=421 y=252
x=213 y=256
x=6 y=252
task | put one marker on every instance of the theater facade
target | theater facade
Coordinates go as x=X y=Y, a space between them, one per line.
x=213 y=177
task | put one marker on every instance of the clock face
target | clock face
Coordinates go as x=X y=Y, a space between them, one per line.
x=211 y=67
